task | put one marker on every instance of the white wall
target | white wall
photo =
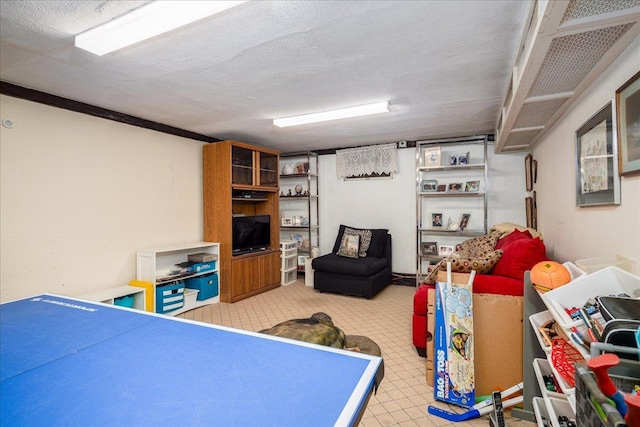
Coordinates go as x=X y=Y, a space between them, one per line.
x=574 y=233
x=79 y=195
x=391 y=203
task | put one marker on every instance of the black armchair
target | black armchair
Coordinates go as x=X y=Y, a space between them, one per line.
x=362 y=276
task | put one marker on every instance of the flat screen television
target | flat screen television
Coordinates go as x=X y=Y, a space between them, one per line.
x=251 y=233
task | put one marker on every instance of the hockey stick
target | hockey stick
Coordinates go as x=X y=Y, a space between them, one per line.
x=480 y=408
x=473 y=413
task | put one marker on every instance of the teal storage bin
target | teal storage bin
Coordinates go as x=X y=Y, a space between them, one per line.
x=169 y=297
x=207 y=285
x=125 y=301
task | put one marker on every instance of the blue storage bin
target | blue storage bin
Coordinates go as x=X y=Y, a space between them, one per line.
x=125 y=301
x=169 y=297
x=207 y=285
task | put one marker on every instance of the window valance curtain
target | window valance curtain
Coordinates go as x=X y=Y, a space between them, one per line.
x=364 y=161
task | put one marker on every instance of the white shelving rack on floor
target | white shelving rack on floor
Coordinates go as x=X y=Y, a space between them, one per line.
x=289 y=257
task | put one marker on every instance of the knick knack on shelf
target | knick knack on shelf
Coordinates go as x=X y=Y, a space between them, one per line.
x=287 y=169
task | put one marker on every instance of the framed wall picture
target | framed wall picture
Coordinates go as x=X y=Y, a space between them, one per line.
x=429 y=248
x=528 y=172
x=528 y=205
x=597 y=178
x=628 y=120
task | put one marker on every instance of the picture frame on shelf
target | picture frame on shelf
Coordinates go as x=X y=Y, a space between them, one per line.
x=628 y=126
x=442 y=188
x=286 y=222
x=429 y=248
x=528 y=172
x=445 y=250
x=436 y=220
x=300 y=168
x=428 y=185
x=454 y=187
x=302 y=259
x=472 y=186
x=432 y=156
x=297 y=238
x=597 y=178
x=453 y=160
x=463 y=158
x=464 y=221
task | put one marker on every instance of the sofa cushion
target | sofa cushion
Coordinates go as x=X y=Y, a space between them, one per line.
x=376 y=245
x=519 y=256
x=350 y=246
x=334 y=264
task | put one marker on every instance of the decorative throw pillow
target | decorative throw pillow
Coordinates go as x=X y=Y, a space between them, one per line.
x=519 y=256
x=512 y=237
x=350 y=245
x=365 y=239
x=482 y=265
x=432 y=277
x=478 y=246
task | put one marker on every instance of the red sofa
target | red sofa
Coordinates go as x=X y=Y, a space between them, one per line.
x=520 y=252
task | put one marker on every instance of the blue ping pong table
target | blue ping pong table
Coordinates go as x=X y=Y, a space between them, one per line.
x=65 y=361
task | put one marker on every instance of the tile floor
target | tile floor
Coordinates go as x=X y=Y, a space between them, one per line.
x=403 y=396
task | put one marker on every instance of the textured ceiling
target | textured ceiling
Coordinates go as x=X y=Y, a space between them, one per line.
x=443 y=65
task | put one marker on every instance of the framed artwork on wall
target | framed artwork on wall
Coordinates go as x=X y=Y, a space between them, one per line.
x=628 y=120
x=528 y=172
x=597 y=178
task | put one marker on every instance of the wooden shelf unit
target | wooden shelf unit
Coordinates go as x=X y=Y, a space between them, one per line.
x=229 y=168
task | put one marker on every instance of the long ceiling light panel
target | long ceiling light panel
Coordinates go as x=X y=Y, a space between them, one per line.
x=147 y=21
x=360 y=110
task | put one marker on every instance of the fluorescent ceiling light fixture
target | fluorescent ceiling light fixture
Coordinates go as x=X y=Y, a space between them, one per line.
x=147 y=21
x=343 y=113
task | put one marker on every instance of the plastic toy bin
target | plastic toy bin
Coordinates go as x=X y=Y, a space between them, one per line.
x=207 y=285
x=588 y=395
x=608 y=281
x=169 y=297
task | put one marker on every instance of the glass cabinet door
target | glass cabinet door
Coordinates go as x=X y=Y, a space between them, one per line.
x=241 y=166
x=268 y=170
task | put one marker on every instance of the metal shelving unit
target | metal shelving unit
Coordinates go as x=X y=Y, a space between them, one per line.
x=451 y=180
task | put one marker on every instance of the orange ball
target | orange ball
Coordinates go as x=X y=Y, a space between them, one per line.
x=548 y=275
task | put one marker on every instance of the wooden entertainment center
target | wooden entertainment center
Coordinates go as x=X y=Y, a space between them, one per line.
x=241 y=179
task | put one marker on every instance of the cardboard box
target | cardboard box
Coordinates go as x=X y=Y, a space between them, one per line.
x=431 y=329
x=498 y=342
